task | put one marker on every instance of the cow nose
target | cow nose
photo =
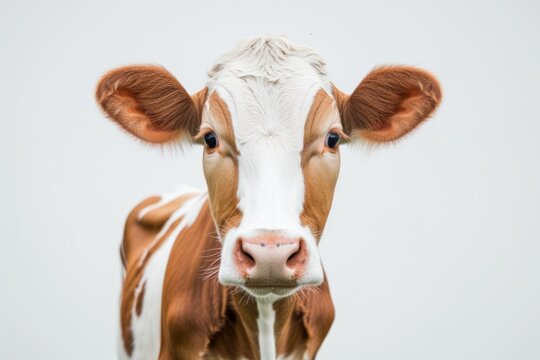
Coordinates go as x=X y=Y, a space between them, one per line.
x=271 y=260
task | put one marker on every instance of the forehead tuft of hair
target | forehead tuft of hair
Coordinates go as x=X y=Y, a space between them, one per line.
x=266 y=57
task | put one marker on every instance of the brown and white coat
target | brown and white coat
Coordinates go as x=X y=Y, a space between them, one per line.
x=234 y=272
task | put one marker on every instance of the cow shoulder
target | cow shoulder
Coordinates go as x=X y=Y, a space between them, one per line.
x=147 y=228
x=145 y=222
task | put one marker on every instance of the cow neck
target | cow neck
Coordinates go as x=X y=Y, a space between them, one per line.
x=269 y=327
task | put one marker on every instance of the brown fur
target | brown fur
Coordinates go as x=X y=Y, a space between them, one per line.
x=238 y=335
x=149 y=102
x=320 y=175
x=303 y=321
x=222 y=174
x=139 y=302
x=390 y=102
x=223 y=121
x=193 y=305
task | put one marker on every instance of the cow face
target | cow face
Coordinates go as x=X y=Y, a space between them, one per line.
x=271 y=125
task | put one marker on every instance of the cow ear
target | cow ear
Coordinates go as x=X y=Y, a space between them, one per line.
x=389 y=103
x=150 y=103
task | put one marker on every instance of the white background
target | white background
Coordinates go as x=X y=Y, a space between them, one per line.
x=433 y=244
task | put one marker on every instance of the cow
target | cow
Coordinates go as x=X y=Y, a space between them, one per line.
x=234 y=272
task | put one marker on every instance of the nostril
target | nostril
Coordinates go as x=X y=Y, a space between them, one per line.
x=243 y=257
x=298 y=257
x=293 y=255
x=248 y=255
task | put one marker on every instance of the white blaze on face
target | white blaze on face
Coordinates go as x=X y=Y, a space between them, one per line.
x=269 y=96
x=268 y=123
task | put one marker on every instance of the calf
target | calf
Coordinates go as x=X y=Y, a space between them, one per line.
x=234 y=272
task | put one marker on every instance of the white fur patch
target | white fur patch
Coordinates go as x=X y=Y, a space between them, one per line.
x=265 y=326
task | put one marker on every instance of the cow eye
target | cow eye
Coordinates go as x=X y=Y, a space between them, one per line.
x=332 y=139
x=210 y=139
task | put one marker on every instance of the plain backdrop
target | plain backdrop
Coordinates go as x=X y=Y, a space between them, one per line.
x=433 y=245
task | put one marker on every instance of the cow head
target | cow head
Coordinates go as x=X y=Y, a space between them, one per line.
x=271 y=124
